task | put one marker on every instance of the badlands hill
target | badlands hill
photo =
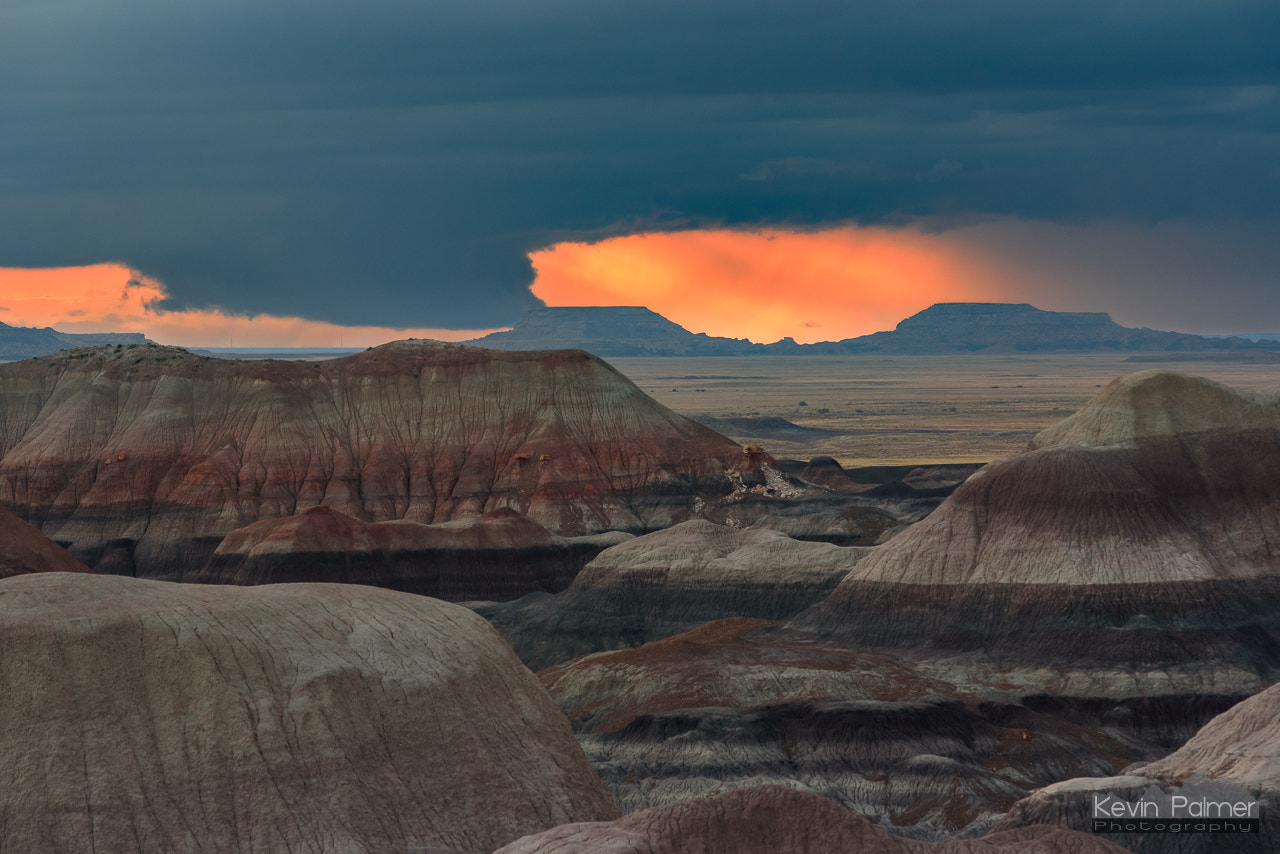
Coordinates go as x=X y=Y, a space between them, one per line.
x=1137 y=541
x=23 y=550
x=668 y=582
x=144 y=716
x=499 y=555
x=944 y=328
x=1234 y=758
x=142 y=459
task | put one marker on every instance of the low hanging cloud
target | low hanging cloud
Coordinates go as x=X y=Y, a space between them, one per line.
x=830 y=284
x=764 y=285
x=113 y=298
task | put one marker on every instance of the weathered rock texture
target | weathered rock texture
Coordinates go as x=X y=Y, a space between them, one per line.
x=1241 y=744
x=1239 y=748
x=1134 y=550
x=773 y=819
x=668 y=582
x=143 y=459
x=847 y=525
x=719 y=665
x=23 y=550
x=155 y=717
x=500 y=555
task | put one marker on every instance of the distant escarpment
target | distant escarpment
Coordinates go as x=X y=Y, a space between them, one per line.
x=500 y=555
x=27 y=342
x=668 y=582
x=975 y=327
x=1134 y=548
x=944 y=328
x=155 y=717
x=142 y=459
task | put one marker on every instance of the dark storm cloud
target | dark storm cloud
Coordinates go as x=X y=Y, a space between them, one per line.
x=392 y=162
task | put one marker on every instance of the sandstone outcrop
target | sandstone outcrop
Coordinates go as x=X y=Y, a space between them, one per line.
x=23 y=550
x=499 y=555
x=772 y=819
x=144 y=458
x=668 y=582
x=156 y=717
x=1133 y=551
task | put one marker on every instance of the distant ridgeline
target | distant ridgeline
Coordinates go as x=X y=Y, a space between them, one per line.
x=26 y=342
x=957 y=327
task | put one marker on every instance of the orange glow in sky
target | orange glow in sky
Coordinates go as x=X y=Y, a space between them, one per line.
x=112 y=298
x=812 y=286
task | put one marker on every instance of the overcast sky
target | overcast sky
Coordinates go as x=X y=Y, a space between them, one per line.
x=394 y=163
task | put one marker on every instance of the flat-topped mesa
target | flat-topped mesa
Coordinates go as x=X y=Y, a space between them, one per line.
x=141 y=459
x=158 y=717
x=611 y=331
x=1020 y=328
x=1148 y=557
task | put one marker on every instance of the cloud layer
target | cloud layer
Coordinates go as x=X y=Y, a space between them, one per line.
x=387 y=162
x=112 y=298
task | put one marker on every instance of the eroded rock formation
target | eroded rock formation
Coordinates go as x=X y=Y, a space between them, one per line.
x=1234 y=758
x=772 y=819
x=1133 y=550
x=155 y=717
x=143 y=458
x=668 y=582
x=23 y=550
x=499 y=555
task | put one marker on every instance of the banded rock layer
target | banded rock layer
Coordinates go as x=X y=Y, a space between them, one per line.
x=772 y=819
x=145 y=458
x=156 y=717
x=23 y=550
x=500 y=555
x=669 y=582
x=1234 y=758
x=1135 y=549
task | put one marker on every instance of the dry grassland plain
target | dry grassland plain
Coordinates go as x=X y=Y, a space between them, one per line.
x=903 y=410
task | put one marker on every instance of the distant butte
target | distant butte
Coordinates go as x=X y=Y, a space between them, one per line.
x=941 y=329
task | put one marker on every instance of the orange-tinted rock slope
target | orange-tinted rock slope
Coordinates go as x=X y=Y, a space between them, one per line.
x=141 y=459
x=23 y=550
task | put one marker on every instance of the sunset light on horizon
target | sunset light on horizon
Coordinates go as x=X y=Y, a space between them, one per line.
x=766 y=285
x=113 y=298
